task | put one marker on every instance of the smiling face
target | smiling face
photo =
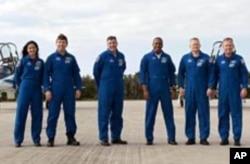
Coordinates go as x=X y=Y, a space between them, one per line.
x=32 y=50
x=61 y=45
x=157 y=45
x=112 y=45
x=228 y=47
x=195 y=45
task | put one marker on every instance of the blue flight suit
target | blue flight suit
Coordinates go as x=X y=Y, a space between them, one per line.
x=62 y=78
x=108 y=72
x=193 y=76
x=28 y=78
x=159 y=75
x=232 y=75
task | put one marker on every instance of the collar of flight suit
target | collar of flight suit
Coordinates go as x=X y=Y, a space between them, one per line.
x=62 y=56
x=230 y=58
x=200 y=55
x=161 y=54
x=111 y=54
x=27 y=57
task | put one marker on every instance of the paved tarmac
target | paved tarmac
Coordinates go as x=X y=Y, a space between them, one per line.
x=136 y=152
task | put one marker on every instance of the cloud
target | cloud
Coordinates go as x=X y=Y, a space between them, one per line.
x=135 y=22
x=176 y=18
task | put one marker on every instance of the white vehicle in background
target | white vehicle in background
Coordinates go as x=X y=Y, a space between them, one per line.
x=8 y=61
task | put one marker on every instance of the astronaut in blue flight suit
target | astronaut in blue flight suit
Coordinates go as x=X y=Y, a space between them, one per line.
x=157 y=76
x=193 y=78
x=108 y=72
x=231 y=74
x=62 y=85
x=28 y=78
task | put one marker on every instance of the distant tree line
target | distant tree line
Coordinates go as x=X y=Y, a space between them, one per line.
x=132 y=89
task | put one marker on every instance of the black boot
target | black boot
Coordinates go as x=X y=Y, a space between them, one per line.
x=224 y=142
x=50 y=142
x=190 y=142
x=71 y=140
x=18 y=145
x=237 y=143
x=119 y=142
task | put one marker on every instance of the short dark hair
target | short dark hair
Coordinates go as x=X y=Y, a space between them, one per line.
x=62 y=37
x=25 y=47
x=194 y=38
x=158 y=38
x=228 y=39
x=111 y=37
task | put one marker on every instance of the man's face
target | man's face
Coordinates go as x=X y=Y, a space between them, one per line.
x=112 y=45
x=157 y=46
x=195 y=46
x=228 y=47
x=61 y=45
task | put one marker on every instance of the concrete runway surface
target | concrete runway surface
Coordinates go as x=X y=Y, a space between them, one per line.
x=136 y=152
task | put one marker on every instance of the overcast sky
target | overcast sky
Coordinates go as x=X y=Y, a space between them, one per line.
x=134 y=22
